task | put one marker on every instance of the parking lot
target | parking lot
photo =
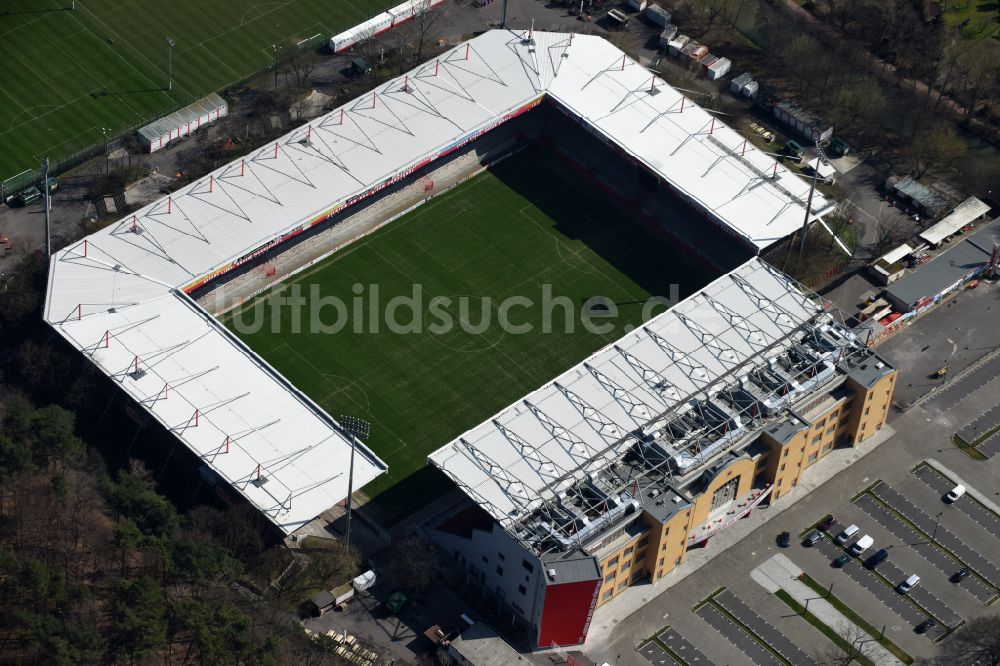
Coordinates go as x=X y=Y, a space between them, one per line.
x=895 y=494
x=714 y=617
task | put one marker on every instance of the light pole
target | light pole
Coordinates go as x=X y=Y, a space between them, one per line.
x=107 y=160
x=274 y=47
x=170 y=63
x=45 y=192
x=358 y=429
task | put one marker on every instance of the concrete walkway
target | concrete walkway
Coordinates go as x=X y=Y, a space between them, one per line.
x=633 y=599
x=779 y=572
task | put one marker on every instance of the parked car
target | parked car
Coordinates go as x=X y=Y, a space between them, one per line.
x=925 y=626
x=812 y=538
x=358 y=67
x=861 y=545
x=844 y=536
x=794 y=150
x=961 y=575
x=907 y=585
x=878 y=558
x=841 y=561
x=784 y=539
x=827 y=523
x=955 y=493
x=27 y=196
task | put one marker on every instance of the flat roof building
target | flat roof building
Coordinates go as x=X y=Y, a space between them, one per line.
x=945 y=273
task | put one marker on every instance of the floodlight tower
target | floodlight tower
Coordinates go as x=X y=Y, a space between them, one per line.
x=821 y=158
x=359 y=430
x=45 y=193
x=170 y=63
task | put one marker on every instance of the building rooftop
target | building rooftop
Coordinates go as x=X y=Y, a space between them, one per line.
x=965 y=213
x=965 y=256
x=479 y=645
x=928 y=198
x=574 y=459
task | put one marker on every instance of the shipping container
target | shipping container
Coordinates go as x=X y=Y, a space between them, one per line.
x=657 y=15
x=694 y=51
x=677 y=43
x=637 y=5
x=736 y=85
x=668 y=33
x=718 y=69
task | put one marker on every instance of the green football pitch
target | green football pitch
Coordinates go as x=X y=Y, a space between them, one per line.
x=507 y=232
x=66 y=74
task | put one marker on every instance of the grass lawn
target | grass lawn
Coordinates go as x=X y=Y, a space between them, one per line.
x=505 y=233
x=66 y=74
x=977 y=19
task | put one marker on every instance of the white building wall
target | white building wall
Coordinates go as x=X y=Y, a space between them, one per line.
x=485 y=552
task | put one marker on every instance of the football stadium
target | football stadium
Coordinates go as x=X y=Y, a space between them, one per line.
x=513 y=163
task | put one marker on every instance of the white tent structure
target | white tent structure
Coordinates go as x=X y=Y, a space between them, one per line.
x=121 y=295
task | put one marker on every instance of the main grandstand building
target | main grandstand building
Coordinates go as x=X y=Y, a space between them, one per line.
x=127 y=296
x=607 y=475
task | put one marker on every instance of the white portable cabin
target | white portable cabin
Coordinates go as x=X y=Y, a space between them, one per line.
x=183 y=122
x=658 y=15
x=750 y=89
x=362 y=31
x=380 y=23
x=718 y=69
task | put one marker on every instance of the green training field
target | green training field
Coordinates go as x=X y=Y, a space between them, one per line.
x=65 y=74
x=504 y=233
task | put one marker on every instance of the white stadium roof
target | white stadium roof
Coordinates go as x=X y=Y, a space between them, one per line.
x=119 y=295
x=576 y=425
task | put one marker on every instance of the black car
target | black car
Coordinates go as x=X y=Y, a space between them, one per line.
x=961 y=575
x=925 y=626
x=784 y=539
x=812 y=538
x=841 y=561
x=827 y=523
x=877 y=559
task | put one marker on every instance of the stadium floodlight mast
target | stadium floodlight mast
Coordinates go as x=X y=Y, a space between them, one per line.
x=170 y=64
x=45 y=193
x=359 y=430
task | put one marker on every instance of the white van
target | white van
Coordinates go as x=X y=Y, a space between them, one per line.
x=847 y=534
x=907 y=585
x=955 y=493
x=862 y=544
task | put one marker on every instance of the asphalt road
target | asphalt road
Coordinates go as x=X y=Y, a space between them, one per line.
x=957 y=334
x=976 y=380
